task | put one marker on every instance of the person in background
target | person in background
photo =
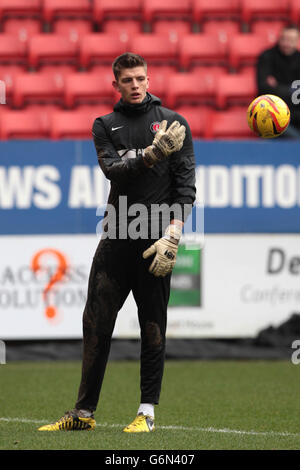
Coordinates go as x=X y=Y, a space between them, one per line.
x=277 y=69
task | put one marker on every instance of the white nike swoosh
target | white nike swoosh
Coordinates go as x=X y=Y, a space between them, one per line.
x=115 y=128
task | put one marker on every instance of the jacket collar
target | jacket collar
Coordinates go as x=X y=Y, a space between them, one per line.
x=138 y=108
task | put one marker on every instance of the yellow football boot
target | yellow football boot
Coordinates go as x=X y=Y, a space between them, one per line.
x=72 y=421
x=142 y=423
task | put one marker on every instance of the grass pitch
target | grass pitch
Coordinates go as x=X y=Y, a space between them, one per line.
x=204 y=405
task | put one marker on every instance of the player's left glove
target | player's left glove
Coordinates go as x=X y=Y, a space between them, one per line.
x=166 y=142
x=165 y=250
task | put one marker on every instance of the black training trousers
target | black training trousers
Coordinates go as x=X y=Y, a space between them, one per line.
x=118 y=268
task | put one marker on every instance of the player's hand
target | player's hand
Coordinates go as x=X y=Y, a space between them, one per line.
x=165 y=250
x=166 y=142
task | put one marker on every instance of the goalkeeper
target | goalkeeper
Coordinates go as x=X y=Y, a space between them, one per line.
x=146 y=151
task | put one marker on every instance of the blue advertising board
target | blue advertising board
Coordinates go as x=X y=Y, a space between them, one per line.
x=55 y=187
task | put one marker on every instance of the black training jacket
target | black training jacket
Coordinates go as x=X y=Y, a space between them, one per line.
x=120 y=138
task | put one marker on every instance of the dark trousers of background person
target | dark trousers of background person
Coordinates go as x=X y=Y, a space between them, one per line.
x=118 y=267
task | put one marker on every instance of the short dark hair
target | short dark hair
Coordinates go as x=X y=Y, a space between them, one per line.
x=290 y=26
x=128 y=60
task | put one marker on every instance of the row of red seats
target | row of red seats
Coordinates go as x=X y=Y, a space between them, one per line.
x=100 y=48
x=149 y=10
x=57 y=124
x=203 y=86
x=24 y=29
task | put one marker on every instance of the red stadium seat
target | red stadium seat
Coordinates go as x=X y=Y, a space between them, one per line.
x=100 y=48
x=266 y=9
x=249 y=70
x=23 y=125
x=37 y=88
x=59 y=71
x=215 y=9
x=222 y=29
x=235 y=89
x=175 y=30
x=295 y=11
x=95 y=109
x=270 y=29
x=104 y=71
x=23 y=28
x=230 y=124
x=73 y=29
x=168 y=9
x=14 y=8
x=244 y=49
x=107 y=9
x=8 y=74
x=75 y=124
x=197 y=117
x=191 y=88
x=12 y=50
x=155 y=48
x=158 y=80
x=124 y=28
x=53 y=9
x=51 y=48
x=205 y=49
x=210 y=70
x=88 y=88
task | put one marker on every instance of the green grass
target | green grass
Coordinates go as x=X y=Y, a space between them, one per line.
x=203 y=397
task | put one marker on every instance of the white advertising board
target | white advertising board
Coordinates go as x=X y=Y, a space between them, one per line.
x=245 y=283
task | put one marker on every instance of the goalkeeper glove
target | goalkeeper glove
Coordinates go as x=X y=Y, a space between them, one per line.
x=165 y=250
x=166 y=141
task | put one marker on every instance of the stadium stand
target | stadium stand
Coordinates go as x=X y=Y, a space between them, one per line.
x=201 y=55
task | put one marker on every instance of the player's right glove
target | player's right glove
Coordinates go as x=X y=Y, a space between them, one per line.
x=166 y=141
x=165 y=251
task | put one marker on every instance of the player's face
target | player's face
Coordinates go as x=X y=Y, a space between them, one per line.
x=288 y=41
x=132 y=84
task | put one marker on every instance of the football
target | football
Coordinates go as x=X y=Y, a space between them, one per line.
x=268 y=116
